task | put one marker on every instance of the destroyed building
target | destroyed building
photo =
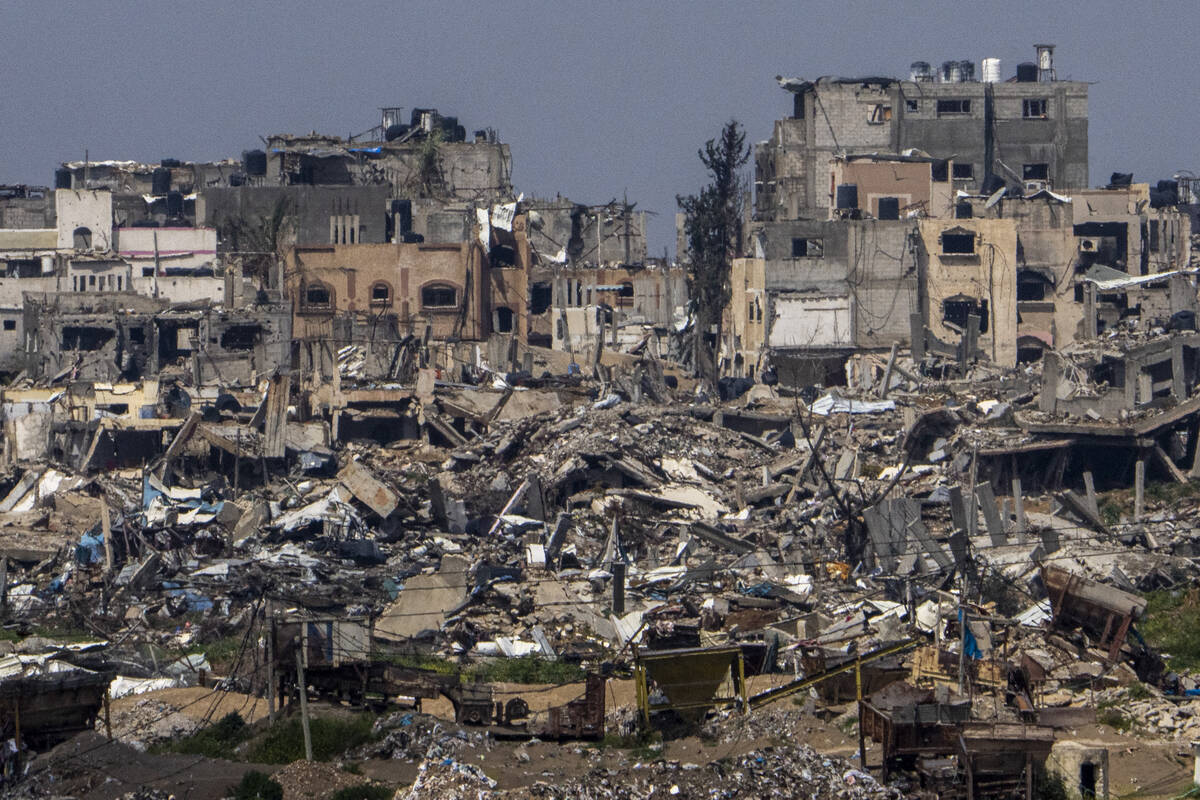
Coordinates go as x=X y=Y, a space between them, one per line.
x=437 y=452
x=820 y=291
x=1028 y=130
x=123 y=336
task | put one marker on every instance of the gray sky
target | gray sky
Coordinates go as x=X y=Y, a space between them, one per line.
x=595 y=99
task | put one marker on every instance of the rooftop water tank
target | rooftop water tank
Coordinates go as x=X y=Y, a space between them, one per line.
x=991 y=70
x=951 y=71
x=921 y=71
x=1027 y=72
x=966 y=70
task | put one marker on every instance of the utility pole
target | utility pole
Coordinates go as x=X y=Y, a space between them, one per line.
x=972 y=523
x=308 y=754
x=270 y=663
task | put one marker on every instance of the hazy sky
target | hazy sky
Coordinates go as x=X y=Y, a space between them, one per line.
x=595 y=99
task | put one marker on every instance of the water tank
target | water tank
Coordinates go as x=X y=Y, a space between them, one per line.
x=1027 y=72
x=889 y=208
x=966 y=70
x=951 y=71
x=921 y=71
x=991 y=70
x=394 y=132
x=62 y=178
x=174 y=204
x=237 y=179
x=962 y=209
x=255 y=162
x=160 y=181
x=171 y=162
x=847 y=195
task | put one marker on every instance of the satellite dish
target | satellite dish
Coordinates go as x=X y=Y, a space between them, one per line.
x=995 y=197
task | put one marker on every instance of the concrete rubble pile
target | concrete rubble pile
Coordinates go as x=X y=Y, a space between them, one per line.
x=578 y=520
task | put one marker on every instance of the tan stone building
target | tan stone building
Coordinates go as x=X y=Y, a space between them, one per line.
x=970 y=271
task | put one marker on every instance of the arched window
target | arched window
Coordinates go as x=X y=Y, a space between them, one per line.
x=83 y=238
x=439 y=295
x=316 y=296
x=381 y=294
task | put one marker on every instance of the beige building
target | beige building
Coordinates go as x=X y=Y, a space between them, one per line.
x=970 y=270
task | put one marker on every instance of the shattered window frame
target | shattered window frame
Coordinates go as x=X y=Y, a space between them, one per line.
x=956 y=309
x=434 y=296
x=1035 y=108
x=879 y=114
x=307 y=301
x=955 y=243
x=955 y=106
x=1035 y=172
x=808 y=247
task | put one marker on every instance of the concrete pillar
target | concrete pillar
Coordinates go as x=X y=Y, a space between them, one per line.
x=1051 y=369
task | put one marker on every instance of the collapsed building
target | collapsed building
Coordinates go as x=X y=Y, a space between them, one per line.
x=900 y=234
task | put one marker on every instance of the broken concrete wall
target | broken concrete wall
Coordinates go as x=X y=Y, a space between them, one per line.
x=969 y=269
x=85 y=219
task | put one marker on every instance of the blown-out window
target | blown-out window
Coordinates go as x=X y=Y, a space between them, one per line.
x=439 y=295
x=381 y=294
x=317 y=296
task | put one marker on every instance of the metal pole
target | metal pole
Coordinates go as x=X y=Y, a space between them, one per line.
x=862 y=740
x=308 y=754
x=270 y=664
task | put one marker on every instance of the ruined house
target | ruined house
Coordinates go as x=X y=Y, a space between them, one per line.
x=969 y=279
x=124 y=336
x=624 y=303
x=431 y=155
x=374 y=296
x=819 y=291
x=1028 y=130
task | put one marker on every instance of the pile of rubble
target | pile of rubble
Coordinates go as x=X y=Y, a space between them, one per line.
x=786 y=771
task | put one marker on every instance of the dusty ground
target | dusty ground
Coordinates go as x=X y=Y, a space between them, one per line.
x=89 y=767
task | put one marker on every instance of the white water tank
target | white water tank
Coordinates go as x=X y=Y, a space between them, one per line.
x=991 y=70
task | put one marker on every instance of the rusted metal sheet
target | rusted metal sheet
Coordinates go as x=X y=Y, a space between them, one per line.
x=1102 y=611
x=582 y=718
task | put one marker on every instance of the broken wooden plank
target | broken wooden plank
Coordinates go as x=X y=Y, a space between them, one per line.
x=275 y=422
